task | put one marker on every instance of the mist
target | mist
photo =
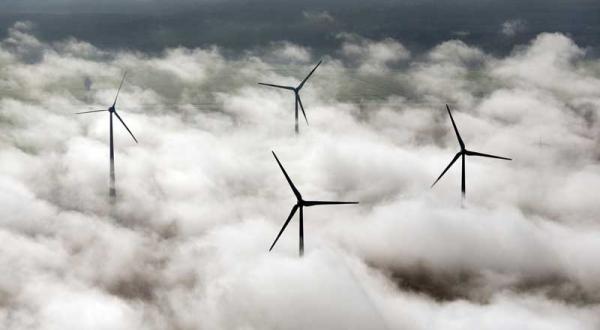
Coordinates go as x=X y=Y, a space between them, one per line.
x=200 y=198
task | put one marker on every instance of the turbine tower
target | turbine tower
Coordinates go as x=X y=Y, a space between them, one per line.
x=463 y=153
x=296 y=91
x=112 y=110
x=300 y=204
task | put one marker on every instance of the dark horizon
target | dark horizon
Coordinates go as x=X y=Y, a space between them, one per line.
x=238 y=26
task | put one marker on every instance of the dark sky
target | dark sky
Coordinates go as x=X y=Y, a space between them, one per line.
x=241 y=25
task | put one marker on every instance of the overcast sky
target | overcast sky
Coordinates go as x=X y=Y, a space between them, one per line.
x=200 y=197
x=496 y=26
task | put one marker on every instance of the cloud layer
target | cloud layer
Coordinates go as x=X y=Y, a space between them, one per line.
x=201 y=198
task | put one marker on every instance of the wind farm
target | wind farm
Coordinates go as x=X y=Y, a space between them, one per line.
x=208 y=222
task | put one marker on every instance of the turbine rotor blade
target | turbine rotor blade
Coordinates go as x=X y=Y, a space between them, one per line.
x=312 y=203
x=118 y=90
x=277 y=86
x=474 y=153
x=310 y=74
x=446 y=169
x=128 y=130
x=302 y=108
x=460 y=141
x=284 y=225
x=79 y=113
x=296 y=192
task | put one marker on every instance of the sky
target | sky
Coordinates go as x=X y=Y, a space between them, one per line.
x=239 y=25
x=201 y=198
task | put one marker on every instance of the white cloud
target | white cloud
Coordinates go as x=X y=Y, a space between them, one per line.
x=373 y=56
x=287 y=52
x=201 y=198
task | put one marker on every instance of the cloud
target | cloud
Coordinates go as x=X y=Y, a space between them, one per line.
x=200 y=198
x=318 y=17
x=285 y=53
x=372 y=56
x=513 y=27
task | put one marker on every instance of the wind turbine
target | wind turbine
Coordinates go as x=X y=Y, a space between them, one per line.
x=296 y=91
x=463 y=153
x=300 y=204
x=112 y=110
